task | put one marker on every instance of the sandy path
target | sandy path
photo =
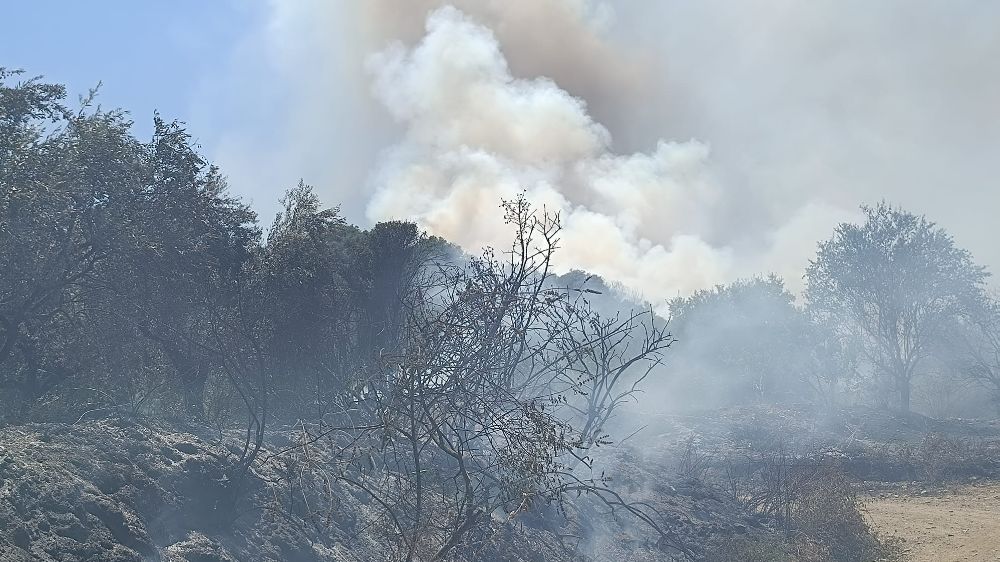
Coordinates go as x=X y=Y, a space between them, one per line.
x=949 y=525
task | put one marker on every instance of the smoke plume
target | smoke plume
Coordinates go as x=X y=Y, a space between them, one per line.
x=684 y=143
x=474 y=134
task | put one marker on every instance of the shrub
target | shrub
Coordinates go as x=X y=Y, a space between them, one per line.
x=811 y=500
x=765 y=549
x=827 y=510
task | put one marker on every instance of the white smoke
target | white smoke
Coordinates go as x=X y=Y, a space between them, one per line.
x=810 y=109
x=474 y=135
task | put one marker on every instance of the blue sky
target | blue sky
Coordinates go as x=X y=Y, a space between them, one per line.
x=206 y=63
x=149 y=55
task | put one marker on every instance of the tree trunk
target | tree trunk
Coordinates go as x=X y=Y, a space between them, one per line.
x=904 y=393
x=194 y=392
x=883 y=391
x=192 y=372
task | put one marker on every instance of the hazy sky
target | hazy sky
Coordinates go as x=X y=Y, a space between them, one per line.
x=685 y=143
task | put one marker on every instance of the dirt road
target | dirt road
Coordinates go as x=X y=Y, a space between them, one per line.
x=948 y=525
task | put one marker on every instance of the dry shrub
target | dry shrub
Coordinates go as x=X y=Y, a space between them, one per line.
x=693 y=462
x=760 y=433
x=939 y=457
x=827 y=510
x=934 y=458
x=765 y=549
x=812 y=504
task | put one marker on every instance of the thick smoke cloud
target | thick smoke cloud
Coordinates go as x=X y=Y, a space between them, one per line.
x=564 y=40
x=799 y=112
x=474 y=134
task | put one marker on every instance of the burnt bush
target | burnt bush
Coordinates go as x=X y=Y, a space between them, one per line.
x=809 y=500
x=765 y=549
x=935 y=458
x=826 y=509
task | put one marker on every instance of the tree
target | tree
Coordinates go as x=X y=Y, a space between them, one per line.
x=895 y=282
x=398 y=254
x=58 y=173
x=608 y=358
x=745 y=339
x=474 y=417
x=315 y=268
x=830 y=365
x=184 y=242
x=976 y=346
x=113 y=252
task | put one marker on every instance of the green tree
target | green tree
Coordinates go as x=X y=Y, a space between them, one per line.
x=315 y=269
x=745 y=339
x=894 y=282
x=58 y=174
x=113 y=250
x=974 y=348
x=399 y=254
x=187 y=241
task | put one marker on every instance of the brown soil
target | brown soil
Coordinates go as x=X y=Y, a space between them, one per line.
x=960 y=523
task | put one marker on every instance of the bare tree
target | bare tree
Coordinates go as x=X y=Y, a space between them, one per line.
x=608 y=359
x=489 y=407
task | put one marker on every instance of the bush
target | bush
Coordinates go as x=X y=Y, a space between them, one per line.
x=765 y=549
x=827 y=510
x=811 y=500
x=938 y=457
x=692 y=463
x=935 y=458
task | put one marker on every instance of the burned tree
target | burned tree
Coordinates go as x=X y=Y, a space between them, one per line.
x=490 y=405
x=607 y=360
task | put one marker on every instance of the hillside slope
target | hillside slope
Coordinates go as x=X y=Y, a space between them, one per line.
x=120 y=492
x=105 y=491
